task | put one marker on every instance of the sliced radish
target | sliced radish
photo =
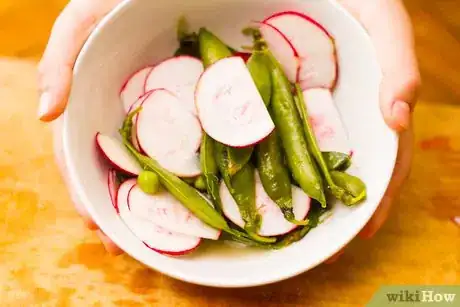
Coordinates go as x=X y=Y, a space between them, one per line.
x=229 y=105
x=325 y=120
x=166 y=211
x=170 y=134
x=313 y=45
x=153 y=236
x=112 y=184
x=133 y=107
x=282 y=50
x=178 y=75
x=134 y=87
x=117 y=154
x=273 y=221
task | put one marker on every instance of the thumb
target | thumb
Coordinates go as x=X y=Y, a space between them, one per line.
x=68 y=35
x=391 y=32
x=390 y=29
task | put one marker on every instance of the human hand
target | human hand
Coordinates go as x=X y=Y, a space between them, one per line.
x=390 y=29
x=69 y=33
x=385 y=20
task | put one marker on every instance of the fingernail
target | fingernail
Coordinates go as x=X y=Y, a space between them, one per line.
x=44 y=105
x=401 y=113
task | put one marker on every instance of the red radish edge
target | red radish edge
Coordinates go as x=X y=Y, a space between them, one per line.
x=143 y=97
x=107 y=158
x=285 y=38
x=317 y=24
x=164 y=60
x=176 y=254
x=167 y=253
x=302 y=15
x=176 y=218
x=132 y=75
x=113 y=187
x=294 y=50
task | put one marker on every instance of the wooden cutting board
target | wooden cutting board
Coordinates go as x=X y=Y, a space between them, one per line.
x=48 y=258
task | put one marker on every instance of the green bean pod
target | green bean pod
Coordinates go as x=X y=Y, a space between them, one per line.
x=210 y=171
x=212 y=49
x=355 y=187
x=340 y=191
x=275 y=177
x=336 y=161
x=187 y=195
x=290 y=130
x=242 y=188
x=258 y=66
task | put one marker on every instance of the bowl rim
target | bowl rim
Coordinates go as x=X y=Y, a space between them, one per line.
x=83 y=199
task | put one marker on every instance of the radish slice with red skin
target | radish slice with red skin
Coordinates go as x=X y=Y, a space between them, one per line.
x=170 y=134
x=117 y=154
x=282 y=50
x=326 y=121
x=136 y=105
x=229 y=105
x=154 y=237
x=313 y=45
x=178 y=75
x=165 y=211
x=112 y=183
x=273 y=221
x=134 y=87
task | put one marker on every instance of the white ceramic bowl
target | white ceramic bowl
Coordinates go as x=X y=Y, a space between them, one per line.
x=140 y=32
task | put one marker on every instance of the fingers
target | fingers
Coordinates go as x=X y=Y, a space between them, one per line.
x=87 y=220
x=390 y=29
x=335 y=257
x=401 y=171
x=392 y=36
x=109 y=246
x=68 y=35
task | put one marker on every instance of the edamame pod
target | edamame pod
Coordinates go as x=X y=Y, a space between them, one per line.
x=289 y=127
x=275 y=177
x=340 y=191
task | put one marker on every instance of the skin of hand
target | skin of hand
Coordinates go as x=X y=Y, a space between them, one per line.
x=385 y=20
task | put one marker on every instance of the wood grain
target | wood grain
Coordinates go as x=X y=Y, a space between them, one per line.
x=48 y=258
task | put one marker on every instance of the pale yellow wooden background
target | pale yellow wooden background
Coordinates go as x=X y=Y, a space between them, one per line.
x=48 y=258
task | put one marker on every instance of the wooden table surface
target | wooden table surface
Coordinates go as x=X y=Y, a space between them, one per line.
x=48 y=258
